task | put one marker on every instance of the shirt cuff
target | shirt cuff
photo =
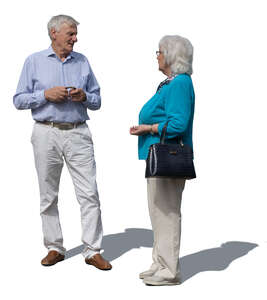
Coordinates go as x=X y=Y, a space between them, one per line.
x=92 y=101
x=39 y=98
x=86 y=102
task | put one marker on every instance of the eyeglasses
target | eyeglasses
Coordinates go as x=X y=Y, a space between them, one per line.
x=158 y=53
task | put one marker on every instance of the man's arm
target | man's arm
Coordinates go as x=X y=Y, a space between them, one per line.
x=92 y=92
x=25 y=97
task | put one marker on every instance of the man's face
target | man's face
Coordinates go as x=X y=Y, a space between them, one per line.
x=65 y=38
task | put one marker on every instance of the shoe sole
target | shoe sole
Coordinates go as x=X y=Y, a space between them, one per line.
x=49 y=265
x=161 y=283
x=145 y=276
x=97 y=267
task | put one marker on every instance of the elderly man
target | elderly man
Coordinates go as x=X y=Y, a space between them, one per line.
x=58 y=85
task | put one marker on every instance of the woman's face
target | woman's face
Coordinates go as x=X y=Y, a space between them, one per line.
x=161 y=60
x=163 y=67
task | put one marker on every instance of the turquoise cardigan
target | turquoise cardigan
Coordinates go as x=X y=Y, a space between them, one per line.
x=174 y=103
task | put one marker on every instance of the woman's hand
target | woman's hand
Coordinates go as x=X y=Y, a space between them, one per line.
x=140 y=129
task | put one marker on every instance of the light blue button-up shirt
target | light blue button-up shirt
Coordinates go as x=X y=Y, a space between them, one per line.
x=44 y=70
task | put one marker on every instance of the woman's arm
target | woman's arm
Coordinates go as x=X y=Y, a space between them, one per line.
x=144 y=129
x=177 y=107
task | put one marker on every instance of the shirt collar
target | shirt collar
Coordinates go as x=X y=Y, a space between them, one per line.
x=50 y=52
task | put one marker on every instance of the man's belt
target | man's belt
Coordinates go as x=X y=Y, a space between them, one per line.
x=62 y=126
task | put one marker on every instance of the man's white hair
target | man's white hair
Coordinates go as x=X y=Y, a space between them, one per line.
x=57 y=21
x=178 y=53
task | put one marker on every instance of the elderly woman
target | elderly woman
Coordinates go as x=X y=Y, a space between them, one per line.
x=173 y=102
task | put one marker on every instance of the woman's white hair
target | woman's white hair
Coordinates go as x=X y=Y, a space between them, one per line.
x=178 y=53
x=57 y=21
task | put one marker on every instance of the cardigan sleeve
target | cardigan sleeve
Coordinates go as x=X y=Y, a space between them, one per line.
x=177 y=107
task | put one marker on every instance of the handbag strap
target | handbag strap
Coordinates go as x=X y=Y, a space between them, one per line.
x=163 y=134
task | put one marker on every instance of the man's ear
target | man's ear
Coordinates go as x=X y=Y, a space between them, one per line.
x=53 y=33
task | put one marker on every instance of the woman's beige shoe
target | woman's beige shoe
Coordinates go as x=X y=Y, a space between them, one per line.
x=157 y=280
x=153 y=269
x=147 y=273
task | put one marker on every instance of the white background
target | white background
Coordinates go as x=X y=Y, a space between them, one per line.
x=227 y=202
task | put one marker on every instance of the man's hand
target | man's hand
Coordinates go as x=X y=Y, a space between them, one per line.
x=77 y=95
x=56 y=94
x=140 y=130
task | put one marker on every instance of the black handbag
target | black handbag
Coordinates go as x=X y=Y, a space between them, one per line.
x=170 y=160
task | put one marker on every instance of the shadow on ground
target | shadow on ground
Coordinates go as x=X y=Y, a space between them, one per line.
x=115 y=245
x=214 y=259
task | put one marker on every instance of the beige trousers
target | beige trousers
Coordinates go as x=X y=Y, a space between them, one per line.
x=52 y=147
x=164 y=202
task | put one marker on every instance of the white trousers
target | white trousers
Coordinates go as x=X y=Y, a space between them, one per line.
x=164 y=202
x=53 y=146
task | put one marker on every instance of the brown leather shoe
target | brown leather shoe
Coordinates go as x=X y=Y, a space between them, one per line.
x=52 y=258
x=99 y=262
